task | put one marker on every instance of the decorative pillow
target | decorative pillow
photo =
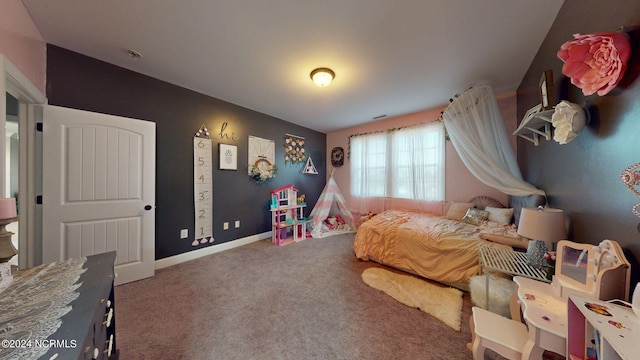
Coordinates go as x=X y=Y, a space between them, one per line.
x=517 y=242
x=500 y=215
x=457 y=210
x=475 y=216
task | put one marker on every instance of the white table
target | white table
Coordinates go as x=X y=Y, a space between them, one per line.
x=546 y=314
x=507 y=261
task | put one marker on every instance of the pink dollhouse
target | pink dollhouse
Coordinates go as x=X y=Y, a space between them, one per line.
x=288 y=223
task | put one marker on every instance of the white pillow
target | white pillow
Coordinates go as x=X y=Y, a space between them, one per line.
x=500 y=215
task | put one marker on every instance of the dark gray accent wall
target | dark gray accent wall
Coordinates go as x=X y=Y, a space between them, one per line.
x=80 y=82
x=583 y=177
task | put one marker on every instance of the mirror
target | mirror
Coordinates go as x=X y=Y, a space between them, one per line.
x=574 y=264
x=600 y=272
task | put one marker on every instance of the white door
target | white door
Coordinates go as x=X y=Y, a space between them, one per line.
x=98 y=189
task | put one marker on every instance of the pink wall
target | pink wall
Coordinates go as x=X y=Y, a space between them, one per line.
x=21 y=42
x=460 y=184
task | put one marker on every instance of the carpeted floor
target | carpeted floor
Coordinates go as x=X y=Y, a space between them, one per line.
x=301 y=301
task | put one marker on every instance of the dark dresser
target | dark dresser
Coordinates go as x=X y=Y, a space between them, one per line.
x=91 y=322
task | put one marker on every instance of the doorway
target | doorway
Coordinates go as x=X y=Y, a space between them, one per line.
x=19 y=92
x=12 y=165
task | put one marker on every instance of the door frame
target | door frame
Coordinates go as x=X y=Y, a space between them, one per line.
x=12 y=81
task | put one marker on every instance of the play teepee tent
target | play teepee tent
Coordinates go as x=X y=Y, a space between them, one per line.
x=331 y=215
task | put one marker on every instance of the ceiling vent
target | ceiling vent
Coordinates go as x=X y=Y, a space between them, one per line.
x=135 y=55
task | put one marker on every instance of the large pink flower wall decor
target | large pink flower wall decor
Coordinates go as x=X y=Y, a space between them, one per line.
x=595 y=62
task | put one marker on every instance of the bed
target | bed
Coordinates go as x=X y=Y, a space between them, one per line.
x=441 y=248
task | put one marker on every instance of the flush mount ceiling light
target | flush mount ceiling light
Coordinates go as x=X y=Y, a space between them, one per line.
x=322 y=76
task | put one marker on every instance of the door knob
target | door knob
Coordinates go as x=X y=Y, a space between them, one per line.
x=148 y=207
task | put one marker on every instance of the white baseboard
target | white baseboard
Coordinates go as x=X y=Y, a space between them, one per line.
x=192 y=255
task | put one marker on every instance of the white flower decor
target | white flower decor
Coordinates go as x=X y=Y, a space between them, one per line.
x=263 y=174
x=568 y=119
x=294 y=150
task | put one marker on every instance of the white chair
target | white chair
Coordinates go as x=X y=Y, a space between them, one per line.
x=498 y=333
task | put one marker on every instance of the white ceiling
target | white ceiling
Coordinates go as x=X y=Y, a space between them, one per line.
x=390 y=57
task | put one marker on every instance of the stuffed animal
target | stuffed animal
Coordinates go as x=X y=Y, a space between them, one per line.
x=366 y=217
x=334 y=222
x=331 y=222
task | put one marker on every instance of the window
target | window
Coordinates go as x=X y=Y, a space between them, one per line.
x=406 y=163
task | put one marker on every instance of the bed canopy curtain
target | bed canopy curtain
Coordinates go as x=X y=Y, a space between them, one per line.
x=478 y=134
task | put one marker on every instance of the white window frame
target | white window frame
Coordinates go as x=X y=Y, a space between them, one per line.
x=430 y=138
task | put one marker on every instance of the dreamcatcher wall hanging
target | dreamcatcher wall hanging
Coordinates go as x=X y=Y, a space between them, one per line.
x=631 y=178
x=202 y=187
x=294 y=149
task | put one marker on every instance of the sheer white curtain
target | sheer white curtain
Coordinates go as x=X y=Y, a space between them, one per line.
x=368 y=155
x=417 y=162
x=406 y=163
x=477 y=131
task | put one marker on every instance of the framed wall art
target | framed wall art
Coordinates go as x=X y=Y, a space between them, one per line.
x=262 y=152
x=228 y=157
x=262 y=159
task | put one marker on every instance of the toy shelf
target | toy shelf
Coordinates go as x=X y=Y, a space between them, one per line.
x=288 y=223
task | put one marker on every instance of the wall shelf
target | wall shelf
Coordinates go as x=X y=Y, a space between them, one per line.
x=535 y=124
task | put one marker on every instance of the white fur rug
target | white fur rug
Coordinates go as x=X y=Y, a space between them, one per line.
x=443 y=303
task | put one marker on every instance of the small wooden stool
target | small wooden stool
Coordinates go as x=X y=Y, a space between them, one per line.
x=505 y=336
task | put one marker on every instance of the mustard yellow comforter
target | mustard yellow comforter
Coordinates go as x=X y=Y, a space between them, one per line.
x=430 y=246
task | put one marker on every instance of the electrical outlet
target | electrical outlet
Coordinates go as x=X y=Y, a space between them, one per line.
x=225 y=225
x=184 y=233
x=237 y=224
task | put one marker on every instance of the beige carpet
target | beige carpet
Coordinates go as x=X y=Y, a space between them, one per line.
x=443 y=303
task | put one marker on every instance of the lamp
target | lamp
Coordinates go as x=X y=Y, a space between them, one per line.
x=541 y=225
x=322 y=76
